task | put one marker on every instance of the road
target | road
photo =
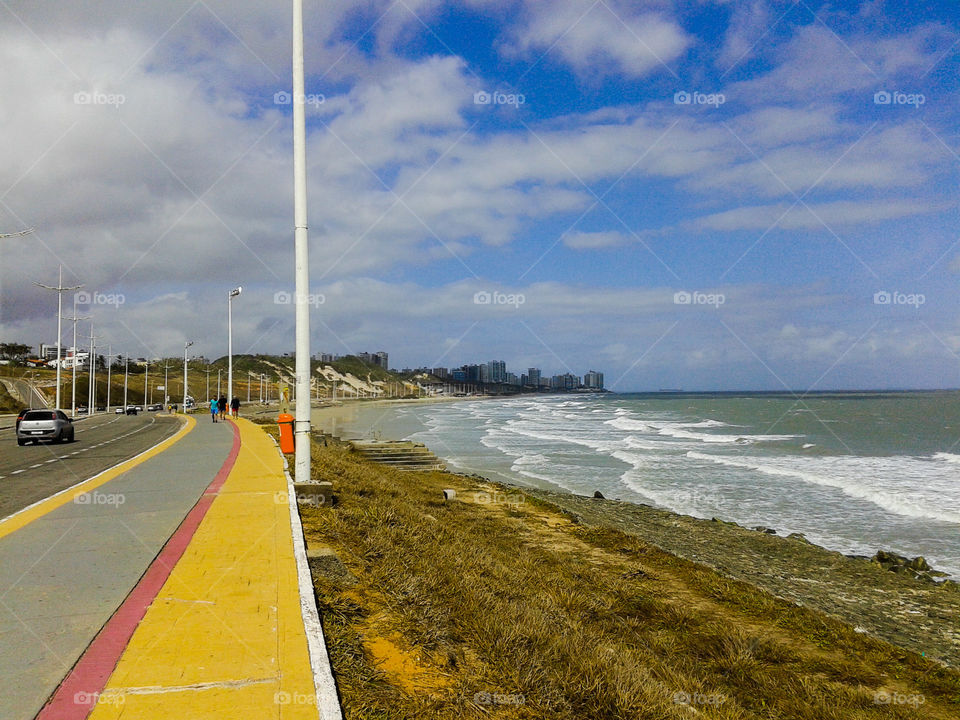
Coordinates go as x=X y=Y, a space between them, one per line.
x=34 y=472
x=26 y=392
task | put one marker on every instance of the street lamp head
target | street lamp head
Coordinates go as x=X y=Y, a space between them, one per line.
x=187 y=344
x=235 y=292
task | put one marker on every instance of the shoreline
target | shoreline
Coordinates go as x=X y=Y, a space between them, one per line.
x=435 y=587
x=922 y=615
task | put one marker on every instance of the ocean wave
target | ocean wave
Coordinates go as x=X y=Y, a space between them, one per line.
x=892 y=502
x=947 y=457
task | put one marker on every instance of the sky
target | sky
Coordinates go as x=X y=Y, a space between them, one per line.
x=697 y=194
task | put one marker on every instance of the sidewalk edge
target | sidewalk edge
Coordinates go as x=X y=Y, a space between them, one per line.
x=328 y=700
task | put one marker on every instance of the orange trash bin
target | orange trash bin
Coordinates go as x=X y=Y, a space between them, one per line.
x=287 y=444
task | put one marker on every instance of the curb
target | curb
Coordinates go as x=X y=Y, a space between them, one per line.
x=328 y=700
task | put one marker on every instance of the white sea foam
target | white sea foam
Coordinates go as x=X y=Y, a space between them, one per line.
x=947 y=457
x=845 y=479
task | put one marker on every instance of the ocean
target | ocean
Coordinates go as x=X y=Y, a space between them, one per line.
x=853 y=472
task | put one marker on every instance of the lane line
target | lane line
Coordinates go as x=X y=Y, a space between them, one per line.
x=90 y=675
x=27 y=515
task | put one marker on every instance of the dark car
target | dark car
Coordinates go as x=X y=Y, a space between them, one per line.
x=38 y=425
x=21 y=414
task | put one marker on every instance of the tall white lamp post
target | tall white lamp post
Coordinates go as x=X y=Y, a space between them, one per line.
x=60 y=290
x=233 y=293
x=185 y=346
x=302 y=413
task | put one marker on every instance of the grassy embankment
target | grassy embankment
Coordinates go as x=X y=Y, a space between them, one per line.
x=506 y=608
x=8 y=403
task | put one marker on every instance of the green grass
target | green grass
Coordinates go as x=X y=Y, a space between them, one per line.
x=8 y=403
x=491 y=604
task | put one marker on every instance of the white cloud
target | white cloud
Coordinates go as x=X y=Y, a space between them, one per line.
x=593 y=240
x=610 y=36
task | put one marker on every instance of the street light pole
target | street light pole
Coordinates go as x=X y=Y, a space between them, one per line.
x=185 y=346
x=60 y=290
x=73 y=385
x=232 y=294
x=301 y=253
x=109 y=372
x=92 y=392
x=126 y=378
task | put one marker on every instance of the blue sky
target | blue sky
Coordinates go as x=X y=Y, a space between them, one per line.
x=788 y=168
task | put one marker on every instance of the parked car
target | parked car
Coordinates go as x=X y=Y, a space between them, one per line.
x=40 y=425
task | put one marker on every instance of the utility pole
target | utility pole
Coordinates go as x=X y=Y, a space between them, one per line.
x=146 y=384
x=208 y=371
x=248 y=386
x=126 y=377
x=109 y=372
x=92 y=359
x=73 y=383
x=60 y=289
x=185 y=346
x=219 y=370
x=166 y=387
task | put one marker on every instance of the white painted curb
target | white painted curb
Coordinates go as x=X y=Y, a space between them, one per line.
x=328 y=703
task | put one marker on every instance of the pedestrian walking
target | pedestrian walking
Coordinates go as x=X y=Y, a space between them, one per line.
x=214 y=409
x=235 y=407
x=222 y=406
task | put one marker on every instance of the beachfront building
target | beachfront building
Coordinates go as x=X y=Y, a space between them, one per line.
x=533 y=377
x=440 y=372
x=593 y=380
x=497 y=371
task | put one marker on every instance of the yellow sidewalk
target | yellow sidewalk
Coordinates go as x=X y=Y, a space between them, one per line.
x=225 y=637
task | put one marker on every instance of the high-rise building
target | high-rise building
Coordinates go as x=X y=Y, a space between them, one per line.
x=440 y=372
x=593 y=379
x=533 y=377
x=497 y=370
x=381 y=359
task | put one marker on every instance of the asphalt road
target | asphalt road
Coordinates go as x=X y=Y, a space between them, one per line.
x=33 y=472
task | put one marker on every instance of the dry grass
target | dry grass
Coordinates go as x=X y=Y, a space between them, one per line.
x=470 y=609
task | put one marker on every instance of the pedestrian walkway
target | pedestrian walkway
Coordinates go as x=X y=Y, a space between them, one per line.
x=215 y=629
x=68 y=562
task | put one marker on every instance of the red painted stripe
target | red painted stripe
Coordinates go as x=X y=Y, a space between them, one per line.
x=78 y=693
